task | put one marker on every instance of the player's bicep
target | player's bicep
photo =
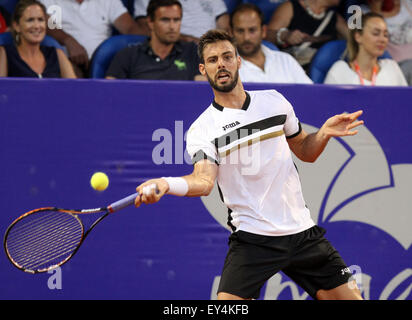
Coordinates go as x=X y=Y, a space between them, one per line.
x=206 y=168
x=296 y=143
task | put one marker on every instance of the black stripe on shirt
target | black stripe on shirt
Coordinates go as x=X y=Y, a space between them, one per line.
x=297 y=133
x=248 y=130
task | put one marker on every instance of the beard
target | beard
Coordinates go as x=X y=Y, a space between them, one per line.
x=225 y=87
x=249 y=53
x=168 y=38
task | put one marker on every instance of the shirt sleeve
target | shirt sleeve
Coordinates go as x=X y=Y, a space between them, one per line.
x=297 y=71
x=140 y=7
x=197 y=145
x=219 y=8
x=292 y=125
x=115 y=10
x=120 y=65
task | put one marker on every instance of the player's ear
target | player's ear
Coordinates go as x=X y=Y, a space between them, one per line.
x=202 y=69
x=239 y=61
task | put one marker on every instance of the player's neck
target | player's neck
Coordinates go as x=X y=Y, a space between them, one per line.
x=233 y=99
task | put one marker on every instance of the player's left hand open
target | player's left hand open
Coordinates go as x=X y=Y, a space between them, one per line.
x=151 y=191
x=342 y=124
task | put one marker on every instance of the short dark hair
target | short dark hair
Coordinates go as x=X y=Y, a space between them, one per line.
x=243 y=7
x=213 y=36
x=155 y=4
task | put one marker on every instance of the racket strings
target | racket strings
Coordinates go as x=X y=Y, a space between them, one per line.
x=44 y=242
x=34 y=228
x=35 y=256
x=43 y=239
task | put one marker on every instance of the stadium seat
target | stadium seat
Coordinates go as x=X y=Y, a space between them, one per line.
x=270 y=45
x=106 y=51
x=9 y=5
x=326 y=56
x=7 y=38
x=267 y=6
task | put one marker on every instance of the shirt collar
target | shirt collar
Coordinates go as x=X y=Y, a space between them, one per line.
x=177 y=48
x=244 y=107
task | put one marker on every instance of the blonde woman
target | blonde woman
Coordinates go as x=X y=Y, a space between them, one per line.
x=398 y=17
x=26 y=57
x=365 y=46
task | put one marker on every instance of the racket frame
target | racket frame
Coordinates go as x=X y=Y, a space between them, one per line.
x=73 y=213
x=114 y=207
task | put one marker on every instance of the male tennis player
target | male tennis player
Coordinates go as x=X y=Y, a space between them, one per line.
x=272 y=227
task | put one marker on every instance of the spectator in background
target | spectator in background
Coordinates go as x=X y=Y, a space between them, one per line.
x=163 y=56
x=4 y=20
x=26 y=57
x=86 y=24
x=259 y=63
x=199 y=16
x=303 y=26
x=364 y=47
x=398 y=16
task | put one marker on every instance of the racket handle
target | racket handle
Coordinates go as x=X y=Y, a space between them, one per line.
x=122 y=203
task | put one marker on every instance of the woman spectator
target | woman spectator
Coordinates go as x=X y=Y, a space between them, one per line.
x=365 y=45
x=26 y=57
x=300 y=27
x=398 y=16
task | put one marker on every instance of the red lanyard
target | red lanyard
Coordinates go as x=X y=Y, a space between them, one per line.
x=374 y=73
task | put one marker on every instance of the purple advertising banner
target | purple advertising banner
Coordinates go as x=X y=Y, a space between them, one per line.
x=54 y=134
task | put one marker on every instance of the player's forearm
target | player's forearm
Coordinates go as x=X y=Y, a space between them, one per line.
x=190 y=185
x=312 y=146
x=198 y=185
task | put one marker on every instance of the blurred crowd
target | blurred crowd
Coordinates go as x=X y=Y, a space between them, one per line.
x=358 y=42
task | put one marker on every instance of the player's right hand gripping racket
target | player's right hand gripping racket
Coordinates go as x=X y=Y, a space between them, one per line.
x=45 y=238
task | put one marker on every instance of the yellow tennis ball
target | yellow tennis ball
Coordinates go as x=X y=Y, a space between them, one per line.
x=99 y=181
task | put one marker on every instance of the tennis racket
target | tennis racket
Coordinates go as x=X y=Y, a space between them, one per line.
x=45 y=238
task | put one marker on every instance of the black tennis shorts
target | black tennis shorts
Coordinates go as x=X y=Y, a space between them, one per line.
x=306 y=257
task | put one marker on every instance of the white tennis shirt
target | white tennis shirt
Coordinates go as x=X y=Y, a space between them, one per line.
x=256 y=175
